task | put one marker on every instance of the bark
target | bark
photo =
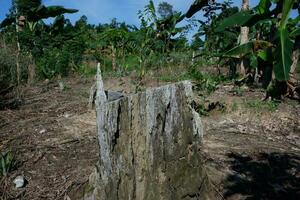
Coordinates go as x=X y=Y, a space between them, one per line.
x=193 y=58
x=295 y=56
x=244 y=38
x=149 y=145
x=293 y=88
x=31 y=70
x=114 y=59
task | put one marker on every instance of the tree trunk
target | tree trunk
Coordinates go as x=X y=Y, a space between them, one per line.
x=294 y=89
x=296 y=55
x=18 y=69
x=149 y=145
x=31 y=70
x=244 y=38
x=114 y=60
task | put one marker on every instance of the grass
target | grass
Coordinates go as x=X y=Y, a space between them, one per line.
x=234 y=106
x=260 y=105
x=174 y=77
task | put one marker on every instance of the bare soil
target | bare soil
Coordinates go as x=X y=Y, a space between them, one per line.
x=249 y=152
x=252 y=152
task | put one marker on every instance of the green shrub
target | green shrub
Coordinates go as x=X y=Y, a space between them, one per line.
x=54 y=62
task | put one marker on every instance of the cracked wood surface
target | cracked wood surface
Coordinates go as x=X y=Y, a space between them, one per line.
x=149 y=145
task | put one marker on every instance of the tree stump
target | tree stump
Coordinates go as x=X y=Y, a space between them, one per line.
x=149 y=145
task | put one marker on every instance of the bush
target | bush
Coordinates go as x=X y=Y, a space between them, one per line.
x=54 y=62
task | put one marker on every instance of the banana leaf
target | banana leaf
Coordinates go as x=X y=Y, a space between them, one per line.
x=195 y=7
x=263 y=7
x=283 y=56
x=287 y=8
x=295 y=32
x=242 y=18
x=247 y=48
x=43 y=12
x=284 y=49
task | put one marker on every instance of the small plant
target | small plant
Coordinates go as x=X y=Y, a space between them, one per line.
x=8 y=163
x=201 y=110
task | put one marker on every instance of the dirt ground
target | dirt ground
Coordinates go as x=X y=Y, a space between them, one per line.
x=53 y=135
x=249 y=151
x=252 y=148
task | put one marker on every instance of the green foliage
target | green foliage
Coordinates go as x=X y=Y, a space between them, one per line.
x=216 y=43
x=38 y=40
x=197 y=43
x=236 y=19
x=261 y=106
x=8 y=74
x=248 y=48
x=295 y=33
x=283 y=45
x=54 y=62
x=43 y=12
x=24 y=6
x=207 y=82
x=8 y=163
x=59 y=48
x=34 y=11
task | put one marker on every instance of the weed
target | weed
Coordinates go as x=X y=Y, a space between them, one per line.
x=8 y=163
x=234 y=107
x=205 y=81
x=201 y=110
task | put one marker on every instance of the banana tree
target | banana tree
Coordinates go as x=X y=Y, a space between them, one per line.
x=279 y=48
x=115 y=40
x=163 y=28
x=27 y=15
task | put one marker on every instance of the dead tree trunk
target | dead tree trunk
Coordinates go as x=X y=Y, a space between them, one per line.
x=149 y=145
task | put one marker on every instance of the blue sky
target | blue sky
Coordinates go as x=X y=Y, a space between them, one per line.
x=102 y=11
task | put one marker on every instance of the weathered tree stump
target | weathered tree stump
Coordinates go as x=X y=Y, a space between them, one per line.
x=149 y=145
